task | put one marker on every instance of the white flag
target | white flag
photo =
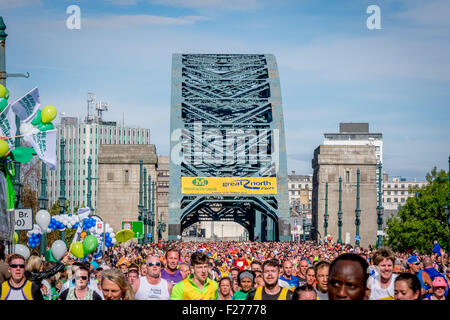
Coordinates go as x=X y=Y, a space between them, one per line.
x=44 y=143
x=27 y=106
x=82 y=214
x=8 y=125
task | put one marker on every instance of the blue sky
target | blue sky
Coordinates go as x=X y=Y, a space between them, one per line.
x=332 y=67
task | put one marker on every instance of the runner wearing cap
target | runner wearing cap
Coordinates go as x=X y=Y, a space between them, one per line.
x=439 y=287
x=425 y=280
x=246 y=281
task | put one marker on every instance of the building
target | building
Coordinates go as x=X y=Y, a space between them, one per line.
x=334 y=162
x=83 y=139
x=118 y=181
x=395 y=193
x=300 y=188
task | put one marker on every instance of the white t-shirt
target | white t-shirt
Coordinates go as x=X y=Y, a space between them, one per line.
x=378 y=293
x=149 y=291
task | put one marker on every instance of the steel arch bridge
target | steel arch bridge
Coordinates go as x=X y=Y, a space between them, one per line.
x=228 y=152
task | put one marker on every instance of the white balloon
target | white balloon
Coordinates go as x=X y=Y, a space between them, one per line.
x=43 y=219
x=22 y=250
x=113 y=241
x=59 y=249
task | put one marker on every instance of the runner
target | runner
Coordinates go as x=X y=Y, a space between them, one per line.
x=225 y=292
x=153 y=286
x=115 y=287
x=321 y=270
x=18 y=287
x=381 y=283
x=197 y=286
x=81 y=290
x=271 y=290
x=439 y=288
x=304 y=292
x=171 y=272
x=246 y=281
x=407 y=287
x=287 y=276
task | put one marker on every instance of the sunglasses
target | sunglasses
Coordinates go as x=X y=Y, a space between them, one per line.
x=443 y=288
x=21 y=266
x=151 y=264
x=82 y=278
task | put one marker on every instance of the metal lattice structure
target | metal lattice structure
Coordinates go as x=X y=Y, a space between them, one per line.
x=236 y=99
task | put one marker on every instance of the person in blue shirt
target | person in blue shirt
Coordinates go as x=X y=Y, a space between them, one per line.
x=287 y=275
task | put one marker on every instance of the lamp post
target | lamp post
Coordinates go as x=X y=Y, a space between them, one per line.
x=62 y=184
x=153 y=214
x=380 y=210
x=161 y=227
x=340 y=212
x=43 y=202
x=304 y=226
x=140 y=206
x=145 y=217
x=326 y=215
x=150 y=210
x=357 y=210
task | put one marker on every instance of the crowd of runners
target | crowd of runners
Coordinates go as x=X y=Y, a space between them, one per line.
x=229 y=271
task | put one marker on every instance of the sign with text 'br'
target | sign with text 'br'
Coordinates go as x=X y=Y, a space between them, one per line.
x=23 y=219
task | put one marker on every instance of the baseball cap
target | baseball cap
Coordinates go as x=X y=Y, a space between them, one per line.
x=439 y=282
x=412 y=259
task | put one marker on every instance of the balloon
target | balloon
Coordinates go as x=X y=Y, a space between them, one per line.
x=48 y=114
x=49 y=256
x=43 y=219
x=83 y=235
x=16 y=238
x=59 y=249
x=7 y=94
x=77 y=249
x=3 y=104
x=90 y=244
x=2 y=91
x=37 y=119
x=4 y=148
x=22 y=250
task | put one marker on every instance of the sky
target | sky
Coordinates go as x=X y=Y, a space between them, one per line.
x=332 y=67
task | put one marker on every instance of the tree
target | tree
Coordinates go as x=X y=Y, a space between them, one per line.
x=422 y=219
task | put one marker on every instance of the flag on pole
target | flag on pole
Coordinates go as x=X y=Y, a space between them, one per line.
x=82 y=214
x=44 y=143
x=27 y=106
x=8 y=125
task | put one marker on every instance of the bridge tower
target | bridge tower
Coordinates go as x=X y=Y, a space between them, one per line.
x=227 y=149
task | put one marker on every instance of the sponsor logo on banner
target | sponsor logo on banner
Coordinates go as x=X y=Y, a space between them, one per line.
x=229 y=185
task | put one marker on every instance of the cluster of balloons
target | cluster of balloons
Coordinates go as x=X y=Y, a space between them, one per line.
x=109 y=241
x=33 y=241
x=63 y=221
x=80 y=249
x=89 y=224
x=4 y=96
x=43 y=119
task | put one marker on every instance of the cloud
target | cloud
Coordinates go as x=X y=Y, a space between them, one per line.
x=131 y=21
x=429 y=13
x=12 y=4
x=235 y=5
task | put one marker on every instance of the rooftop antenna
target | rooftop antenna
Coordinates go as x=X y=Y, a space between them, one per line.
x=101 y=107
x=90 y=109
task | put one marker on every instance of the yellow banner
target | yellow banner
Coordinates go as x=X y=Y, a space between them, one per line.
x=229 y=185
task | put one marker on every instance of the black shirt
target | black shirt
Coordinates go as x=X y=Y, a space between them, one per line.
x=265 y=296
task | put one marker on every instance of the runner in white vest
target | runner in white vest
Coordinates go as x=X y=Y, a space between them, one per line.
x=152 y=286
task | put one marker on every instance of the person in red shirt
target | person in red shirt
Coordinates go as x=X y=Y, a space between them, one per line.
x=241 y=263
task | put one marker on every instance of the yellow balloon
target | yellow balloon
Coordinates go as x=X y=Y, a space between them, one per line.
x=77 y=249
x=2 y=91
x=4 y=148
x=16 y=238
x=48 y=114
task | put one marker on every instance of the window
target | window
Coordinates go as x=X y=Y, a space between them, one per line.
x=306 y=186
x=395 y=199
x=347 y=176
x=388 y=199
x=403 y=186
x=127 y=176
x=403 y=199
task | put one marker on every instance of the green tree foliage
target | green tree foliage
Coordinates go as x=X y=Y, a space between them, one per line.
x=422 y=219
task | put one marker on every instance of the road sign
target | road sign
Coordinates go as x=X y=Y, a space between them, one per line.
x=23 y=219
x=136 y=226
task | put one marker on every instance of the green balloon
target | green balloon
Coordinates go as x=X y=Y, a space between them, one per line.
x=7 y=94
x=3 y=104
x=77 y=249
x=45 y=126
x=49 y=256
x=37 y=119
x=90 y=244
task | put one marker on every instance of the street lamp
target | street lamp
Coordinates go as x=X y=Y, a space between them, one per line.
x=380 y=210
x=161 y=227
x=153 y=213
x=43 y=202
x=145 y=214
x=340 y=212
x=140 y=206
x=357 y=210
x=326 y=215
x=62 y=184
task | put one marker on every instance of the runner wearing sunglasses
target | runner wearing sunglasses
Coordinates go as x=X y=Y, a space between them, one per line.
x=81 y=291
x=152 y=286
x=17 y=287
